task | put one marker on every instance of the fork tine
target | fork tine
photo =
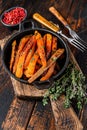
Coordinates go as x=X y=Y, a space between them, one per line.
x=78 y=46
x=75 y=36
x=79 y=43
x=73 y=41
x=81 y=40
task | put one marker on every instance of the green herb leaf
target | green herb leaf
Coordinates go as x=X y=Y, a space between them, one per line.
x=72 y=84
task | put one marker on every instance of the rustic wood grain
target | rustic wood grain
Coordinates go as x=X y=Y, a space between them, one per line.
x=84 y=117
x=6 y=97
x=65 y=118
x=42 y=118
x=26 y=90
x=76 y=124
x=18 y=115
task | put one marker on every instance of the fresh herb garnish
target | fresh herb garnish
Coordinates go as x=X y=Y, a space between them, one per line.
x=72 y=85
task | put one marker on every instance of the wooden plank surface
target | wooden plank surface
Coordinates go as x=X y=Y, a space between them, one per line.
x=18 y=115
x=42 y=118
x=65 y=118
x=6 y=93
x=26 y=90
x=6 y=97
x=84 y=117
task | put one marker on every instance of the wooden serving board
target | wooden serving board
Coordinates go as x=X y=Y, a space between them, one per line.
x=25 y=90
x=65 y=119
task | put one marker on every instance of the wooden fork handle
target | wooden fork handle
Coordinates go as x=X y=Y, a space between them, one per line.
x=58 y=15
x=45 y=22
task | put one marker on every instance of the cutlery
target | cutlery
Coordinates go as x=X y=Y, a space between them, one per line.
x=56 y=29
x=65 y=23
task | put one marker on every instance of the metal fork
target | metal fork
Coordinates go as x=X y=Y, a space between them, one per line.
x=65 y=23
x=74 y=42
x=56 y=29
x=74 y=35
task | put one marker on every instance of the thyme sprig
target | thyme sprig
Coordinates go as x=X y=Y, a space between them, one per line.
x=72 y=85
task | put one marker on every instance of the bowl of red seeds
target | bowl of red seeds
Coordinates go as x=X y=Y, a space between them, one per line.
x=13 y=16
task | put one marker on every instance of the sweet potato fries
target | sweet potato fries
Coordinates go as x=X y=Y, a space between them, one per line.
x=35 y=56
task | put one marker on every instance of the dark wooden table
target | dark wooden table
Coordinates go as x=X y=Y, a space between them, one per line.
x=15 y=112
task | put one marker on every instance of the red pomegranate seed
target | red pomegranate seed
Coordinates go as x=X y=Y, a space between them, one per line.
x=14 y=16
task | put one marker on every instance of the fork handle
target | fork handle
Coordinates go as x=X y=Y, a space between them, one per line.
x=45 y=22
x=58 y=15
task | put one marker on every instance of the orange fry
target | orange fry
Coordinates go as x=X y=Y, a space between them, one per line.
x=30 y=53
x=48 y=45
x=41 y=51
x=20 y=65
x=37 y=35
x=29 y=44
x=22 y=43
x=19 y=70
x=54 y=44
x=13 y=53
x=32 y=64
x=41 y=45
x=51 y=69
x=49 y=73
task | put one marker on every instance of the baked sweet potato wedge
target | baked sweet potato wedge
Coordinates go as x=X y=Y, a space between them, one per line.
x=49 y=72
x=51 y=69
x=41 y=51
x=13 y=53
x=32 y=64
x=20 y=65
x=22 y=43
x=41 y=46
x=54 y=44
x=29 y=55
x=48 y=45
x=37 y=35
